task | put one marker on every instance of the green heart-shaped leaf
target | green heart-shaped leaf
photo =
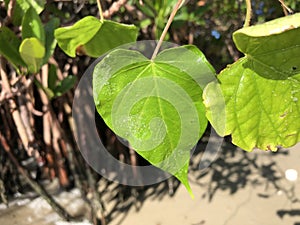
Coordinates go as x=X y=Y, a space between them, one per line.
x=93 y=37
x=32 y=52
x=273 y=48
x=262 y=89
x=109 y=36
x=155 y=105
x=69 y=38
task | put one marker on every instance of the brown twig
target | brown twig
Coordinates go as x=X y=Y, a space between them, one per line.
x=36 y=186
x=27 y=120
x=286 y=9
x=13 y=109
x=3 y=196
x=61 y=141
x=115 y=7
x=165 y=31
x=10 y=11
x=95 y=200
x=73 y=157
x=230 y=47
x=55 y=134
x=16 y=92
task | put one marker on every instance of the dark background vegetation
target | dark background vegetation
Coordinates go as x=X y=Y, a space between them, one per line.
x=52 y=154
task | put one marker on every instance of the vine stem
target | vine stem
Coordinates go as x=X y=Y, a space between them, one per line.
x=164 y=33
x=248 y=13
x=100 y=10
x=286 y=9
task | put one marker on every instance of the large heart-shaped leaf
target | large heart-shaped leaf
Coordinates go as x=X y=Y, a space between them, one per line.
x=262 y=89
x=94 y=37
x=155 y=104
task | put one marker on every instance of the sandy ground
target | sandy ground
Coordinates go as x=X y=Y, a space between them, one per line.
x=234 y=191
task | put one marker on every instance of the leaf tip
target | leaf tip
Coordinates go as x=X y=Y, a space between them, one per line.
x=189 y=189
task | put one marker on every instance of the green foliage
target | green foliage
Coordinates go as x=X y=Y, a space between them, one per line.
x=32 y=26
x=32 y=52
x=64 y=85
x=262 y=89
x=21 y=6
x=157 y=12
x=94 y=37
x=70 y=38
x=52 y=77
x=37 y=5
x=109 y=36
x=57 y=87
x=50 y=41
x=156 y=105
x=9 y=47
x=272 y=48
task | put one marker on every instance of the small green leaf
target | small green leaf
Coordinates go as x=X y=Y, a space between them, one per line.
x=262 y=89
x=9 y=47
x=155 y=105
x=48 y=91
x=32 y=52
x=145 y=23
x=69 y=38
x=109 y=36
x=147 y=10
x=52 y=77
x=50 y=42
x=32 y=26
x=94 y=37
x=65 y=85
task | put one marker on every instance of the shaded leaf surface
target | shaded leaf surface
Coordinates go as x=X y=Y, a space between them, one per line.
x=262 y=89
x=69 y=38
x=32 y=26
x=21 y=6
x=273 y=48
x=50 y=41
x=109 y=36
x=65 y=85
x=9 y=47
x=94 y=37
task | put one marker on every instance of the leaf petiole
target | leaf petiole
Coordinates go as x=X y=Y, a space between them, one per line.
x=248 y=13
x=100 y=10
x=164 y=33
